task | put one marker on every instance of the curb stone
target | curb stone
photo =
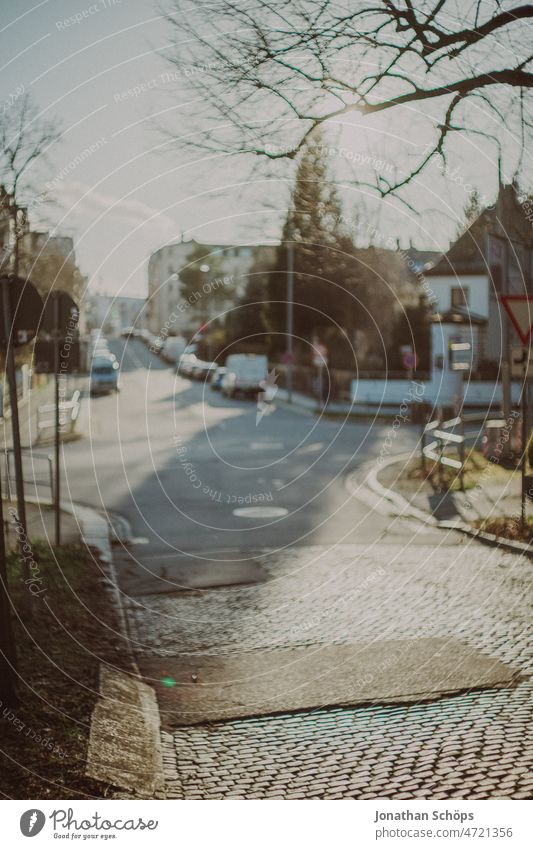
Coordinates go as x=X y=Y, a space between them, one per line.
x=127 y=711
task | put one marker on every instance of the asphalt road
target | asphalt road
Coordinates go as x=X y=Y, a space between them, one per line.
x=349 y=593
x=177 y=460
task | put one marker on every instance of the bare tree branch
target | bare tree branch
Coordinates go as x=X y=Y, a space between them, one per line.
x=25 y=137
x=275 y=71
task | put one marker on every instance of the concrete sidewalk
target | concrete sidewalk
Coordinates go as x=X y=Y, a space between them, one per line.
x=335 y=408
x=28 y=408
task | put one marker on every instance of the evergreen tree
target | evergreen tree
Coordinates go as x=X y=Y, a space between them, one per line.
x=472 y=208
x=194 y=275
x=247 y=321
x=413 y=328
x=326 y=275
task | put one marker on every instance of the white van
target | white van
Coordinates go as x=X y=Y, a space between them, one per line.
x=173 y=348
x=246 y=374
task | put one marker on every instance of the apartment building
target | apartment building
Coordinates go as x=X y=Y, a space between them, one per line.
x=221 y=261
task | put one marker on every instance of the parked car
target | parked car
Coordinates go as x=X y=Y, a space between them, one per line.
x=104 y=375
x=99 y=348
x=100 y=351
x=104 y=354
x=216 y=378
x=157 y=344
x=203 y=370
x=173 y=348
x=186 y=364
x=246 y=374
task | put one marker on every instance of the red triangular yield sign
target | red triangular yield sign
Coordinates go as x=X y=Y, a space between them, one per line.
x=519 y=308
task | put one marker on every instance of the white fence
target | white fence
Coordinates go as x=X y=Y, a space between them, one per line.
x=443 y=391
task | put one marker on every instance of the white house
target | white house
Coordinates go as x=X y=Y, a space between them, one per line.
x=494 y=256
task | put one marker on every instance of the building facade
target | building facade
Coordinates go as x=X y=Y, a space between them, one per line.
x=494 y=256
x=112 y=313
x=227 y=270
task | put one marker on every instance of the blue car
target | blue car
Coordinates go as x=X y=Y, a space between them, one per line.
x=216 y=379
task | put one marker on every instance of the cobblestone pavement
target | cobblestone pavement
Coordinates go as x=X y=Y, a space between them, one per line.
x=475 y=745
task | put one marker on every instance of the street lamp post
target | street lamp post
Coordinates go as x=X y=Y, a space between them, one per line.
x=204 y=268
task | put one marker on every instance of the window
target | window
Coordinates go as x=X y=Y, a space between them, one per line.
x=460 y=296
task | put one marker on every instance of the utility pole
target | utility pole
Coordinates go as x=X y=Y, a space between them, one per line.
x=12 y=382
x=290 y=309
x=8 y=693
x=500 y=234
x=17 y=224
x=525 y=433
x=57 y=490
x=506 y=359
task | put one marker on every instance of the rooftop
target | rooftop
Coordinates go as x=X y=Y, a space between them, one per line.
x=506 y=219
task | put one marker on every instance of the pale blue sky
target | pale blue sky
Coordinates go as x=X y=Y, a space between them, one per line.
x=127 y=197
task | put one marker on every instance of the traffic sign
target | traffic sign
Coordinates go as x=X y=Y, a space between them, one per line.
x=26 y=307
x=45 y=356
x=521 y=362
x=409 y=360
x=60 y=320
x=60 y=314
x=460 y=356
x=519 y=308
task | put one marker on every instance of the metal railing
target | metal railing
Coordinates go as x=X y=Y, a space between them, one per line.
x=443 y=438
x=37 y=470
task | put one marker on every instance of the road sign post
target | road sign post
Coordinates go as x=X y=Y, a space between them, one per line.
x=409 y=360
x=13 y=401
x=320 y=359
x=461 y=362
x=524 y=448
x=290 y=311
x=8 y=693
x=21 y=307
x=57 y=491
x=60 y=312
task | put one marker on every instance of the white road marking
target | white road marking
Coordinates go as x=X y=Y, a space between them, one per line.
x=260 y=512
x=134 y=356
x=310 y=449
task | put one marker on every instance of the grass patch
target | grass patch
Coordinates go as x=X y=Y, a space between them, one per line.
x=443 y=478
x=508 y=527
x=63 y=637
